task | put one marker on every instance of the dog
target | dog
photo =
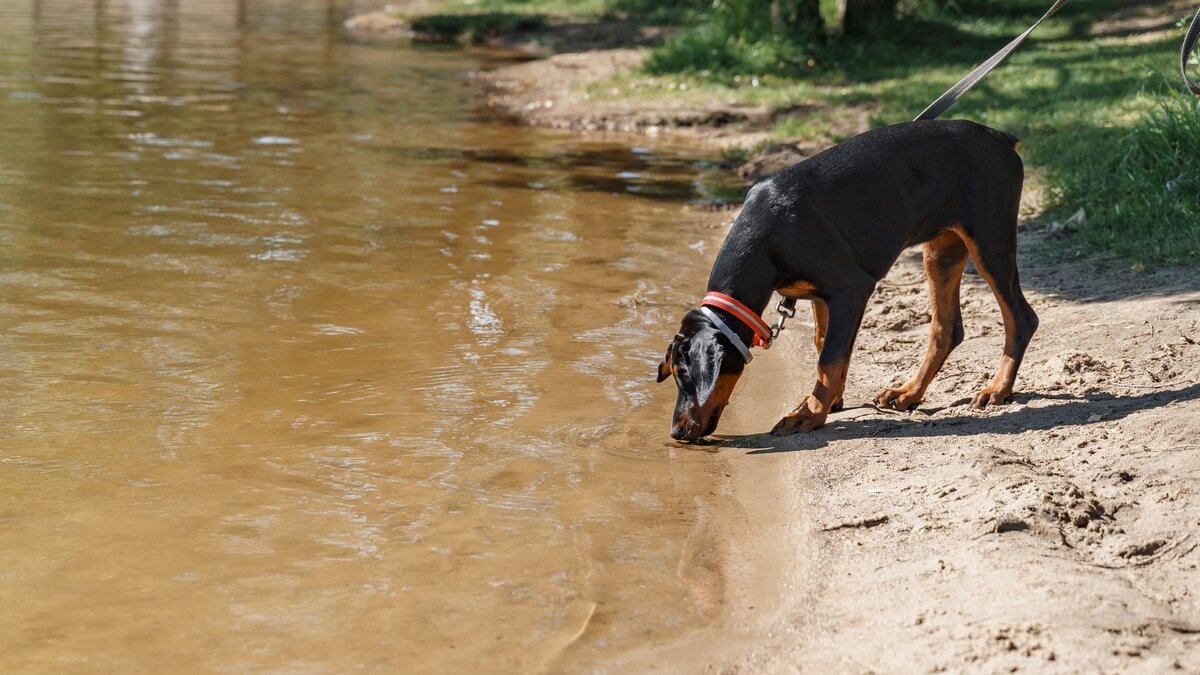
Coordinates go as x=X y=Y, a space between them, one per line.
x=827 y=230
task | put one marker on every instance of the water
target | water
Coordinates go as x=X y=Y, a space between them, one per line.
x=307 y=365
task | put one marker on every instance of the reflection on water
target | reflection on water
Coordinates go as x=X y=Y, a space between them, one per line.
x=304 y=365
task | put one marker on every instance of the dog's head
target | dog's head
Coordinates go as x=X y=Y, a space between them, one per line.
x=705 y=367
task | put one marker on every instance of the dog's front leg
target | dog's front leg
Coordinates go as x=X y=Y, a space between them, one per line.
x=820 y=326
x=845 y=310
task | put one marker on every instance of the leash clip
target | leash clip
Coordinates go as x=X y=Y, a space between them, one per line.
x=787 y=310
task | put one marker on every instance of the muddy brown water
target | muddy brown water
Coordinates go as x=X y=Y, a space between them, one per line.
x=308 y=365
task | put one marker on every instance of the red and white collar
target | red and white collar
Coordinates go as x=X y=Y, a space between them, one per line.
x=762 y=332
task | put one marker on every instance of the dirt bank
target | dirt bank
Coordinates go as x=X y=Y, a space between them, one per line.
x=566 y=83
x=561 y=92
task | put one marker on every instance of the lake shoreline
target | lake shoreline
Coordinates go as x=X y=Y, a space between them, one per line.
x=552 y=78
x=1057 y=533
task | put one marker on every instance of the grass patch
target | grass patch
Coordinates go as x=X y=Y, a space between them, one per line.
x=735 y=37
x=659 y=12
x=1141 y=194
x=475 y=20
x=477 y=26
x=555 y=8
x=712 y=50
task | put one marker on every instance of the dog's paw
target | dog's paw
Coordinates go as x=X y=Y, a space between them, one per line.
x=901 y=398
x=991 y=395
x=793 y=424
x=807 y=416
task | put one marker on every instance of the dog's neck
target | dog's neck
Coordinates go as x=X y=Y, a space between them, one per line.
x=744 y=272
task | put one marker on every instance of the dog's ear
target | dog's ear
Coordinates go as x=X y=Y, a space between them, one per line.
x=664 y=368
x=706 y=366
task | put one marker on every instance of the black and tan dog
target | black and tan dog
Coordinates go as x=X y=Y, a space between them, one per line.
x=827 y=230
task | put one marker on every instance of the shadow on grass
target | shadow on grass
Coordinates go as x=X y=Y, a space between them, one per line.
x=514 y=29
x=476 y=26
x=1073 y=412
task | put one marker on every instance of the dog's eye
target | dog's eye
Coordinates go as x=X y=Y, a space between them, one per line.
x=684 y=384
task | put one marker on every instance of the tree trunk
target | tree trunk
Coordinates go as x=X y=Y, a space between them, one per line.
x=777 y=23
x=806 y=14
x=858 y=15
x=796 y=17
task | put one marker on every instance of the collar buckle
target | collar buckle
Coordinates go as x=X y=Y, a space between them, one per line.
x=787 y=310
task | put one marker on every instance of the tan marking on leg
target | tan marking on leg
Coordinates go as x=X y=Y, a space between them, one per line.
x=1000 y=388
x=812 y=411
x=820 y=327
x=820 y=323
x=944 y=259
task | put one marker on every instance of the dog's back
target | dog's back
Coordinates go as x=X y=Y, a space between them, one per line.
x=901 y=185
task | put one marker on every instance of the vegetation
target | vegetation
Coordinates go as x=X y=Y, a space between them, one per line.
x=474 y=26
x=1141 y=192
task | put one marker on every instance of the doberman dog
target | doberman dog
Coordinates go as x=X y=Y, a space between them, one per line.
x=827 y=230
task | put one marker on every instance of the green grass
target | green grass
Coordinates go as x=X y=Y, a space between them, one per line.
x=1141 y=192
x=474 y=26
x=659 y=12
x=736 y=37
x=712 y=50
x=466 y=17
x=546 y=8
x=474 y=20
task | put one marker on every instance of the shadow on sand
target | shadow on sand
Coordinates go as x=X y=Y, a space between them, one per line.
x=853 y=424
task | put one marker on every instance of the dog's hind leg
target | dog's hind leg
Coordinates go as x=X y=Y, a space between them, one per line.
x=944 y=258
x=994 y=252
x=846 y=309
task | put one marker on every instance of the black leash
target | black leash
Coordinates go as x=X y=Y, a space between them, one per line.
x=964 y=85
x=1189 y=45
